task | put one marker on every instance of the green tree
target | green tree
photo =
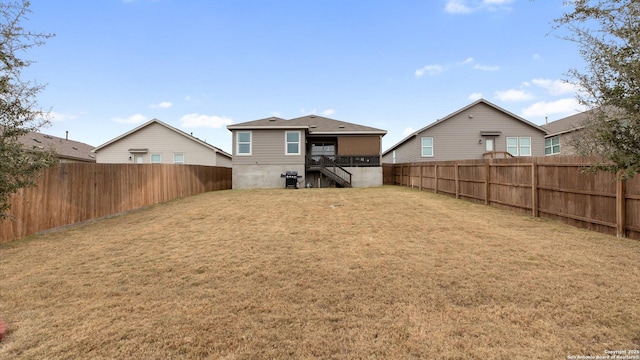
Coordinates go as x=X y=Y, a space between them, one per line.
x=19 y=113
x=608 y=35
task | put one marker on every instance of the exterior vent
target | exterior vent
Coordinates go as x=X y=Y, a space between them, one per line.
x=36 y=140
x=74 y=148
x=341 y=126
x=272 y=119
x=312 y=116
x=312 y=126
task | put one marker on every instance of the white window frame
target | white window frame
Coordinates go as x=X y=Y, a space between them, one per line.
x=155 y=162
x=238 y=143
x=550 y=146
x=423 y=146
x=178 y=162
x=519 y=146
x=287 y=142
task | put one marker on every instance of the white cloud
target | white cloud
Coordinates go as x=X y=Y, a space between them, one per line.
x=162 y=105
x=457 y=7
x=58 y=117
x=210 y=121
x=470 y=6
x=133 y=119
x=486 y=67
x=497 y=2
x=555 y=87
x=329 y=112
x=475 y=96
x=408 y=131
x=513 y=95
x=430 y=70
x=435 y=69
x=536 y=57
x=566 y=106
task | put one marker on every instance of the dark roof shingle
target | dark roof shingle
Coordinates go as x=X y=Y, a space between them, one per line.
x=66 y=149
x=316 y=125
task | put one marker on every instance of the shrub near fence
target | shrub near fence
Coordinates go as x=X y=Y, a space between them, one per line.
x=555 y=187
x=73 y=192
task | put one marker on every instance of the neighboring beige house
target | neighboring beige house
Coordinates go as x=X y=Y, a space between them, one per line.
x=321 y=151
x=66 y=150
x=478 y=130
x=559 y=133
x=157 y=142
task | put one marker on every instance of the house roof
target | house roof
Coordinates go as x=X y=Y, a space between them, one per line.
x=316 y=125
x=65 y=148
x=567 y=124
x=439 y=121
x=156 y=121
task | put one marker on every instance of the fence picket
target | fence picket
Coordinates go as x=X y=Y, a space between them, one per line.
x=554 y=187
x=73 y=192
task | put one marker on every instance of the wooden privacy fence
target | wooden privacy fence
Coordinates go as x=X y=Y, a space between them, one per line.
x=551 y=187
x=73 y=192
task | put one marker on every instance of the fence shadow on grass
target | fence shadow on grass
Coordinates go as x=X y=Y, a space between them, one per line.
x=555 y=187
x=69 y=193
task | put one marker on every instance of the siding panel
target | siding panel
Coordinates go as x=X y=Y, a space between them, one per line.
x=458 y=137
x=159 y=140
x=359 y=145
x=268 y=148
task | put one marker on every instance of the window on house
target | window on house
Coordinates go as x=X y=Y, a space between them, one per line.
x=243 y=141
x=156 y=158
x=292 y=142
x=178 y=158
x=427 y=146
x=552 y=145
x=519 y=146
x=525 y=146
x=394 y=157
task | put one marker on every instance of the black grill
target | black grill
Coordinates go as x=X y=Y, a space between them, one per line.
x=291 y=179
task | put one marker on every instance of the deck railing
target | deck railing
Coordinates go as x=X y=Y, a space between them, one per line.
x=347 y=161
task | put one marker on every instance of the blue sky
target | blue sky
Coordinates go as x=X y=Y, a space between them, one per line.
x=200 y=65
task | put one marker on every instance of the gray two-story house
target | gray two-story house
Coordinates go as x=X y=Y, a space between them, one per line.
x=478 y=130
x=322 y=152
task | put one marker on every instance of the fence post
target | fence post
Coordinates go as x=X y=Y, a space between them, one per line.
x=435 y=190
x=621 y=211
x=534 y=189
x=457 y=180
x=420 y=178
x=487 y=178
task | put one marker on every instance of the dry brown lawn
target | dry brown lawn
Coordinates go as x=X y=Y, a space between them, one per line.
x=320 y=273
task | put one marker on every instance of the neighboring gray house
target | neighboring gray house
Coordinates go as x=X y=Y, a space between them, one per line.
x=478 y=130
x=66 y=150
x=157 y=142
x=324 y=152
x=559 y=133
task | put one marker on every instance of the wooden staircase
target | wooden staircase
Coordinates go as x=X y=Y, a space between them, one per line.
x=330 y=169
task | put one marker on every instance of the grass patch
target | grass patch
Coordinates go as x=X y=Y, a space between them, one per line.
x=319 y=273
